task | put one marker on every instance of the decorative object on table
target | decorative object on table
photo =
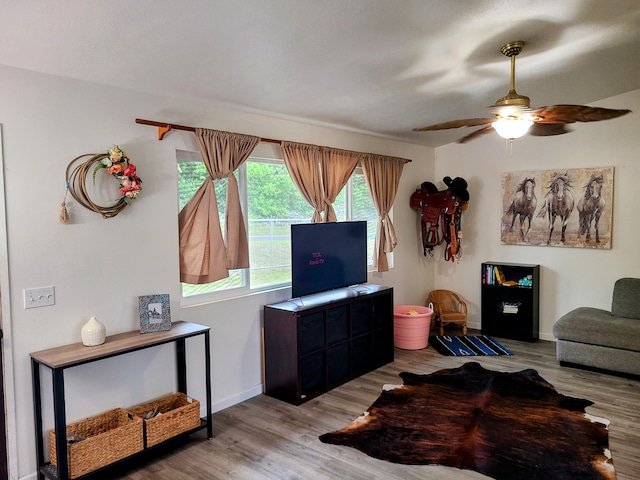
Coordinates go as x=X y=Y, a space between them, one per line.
x=441 y=215
x=467 y=345
x=508 y=426
x=566 y=208
x=155 y=313
x=93 y=333
x=116 y=163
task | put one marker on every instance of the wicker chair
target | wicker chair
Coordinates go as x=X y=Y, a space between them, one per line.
x=448 y=308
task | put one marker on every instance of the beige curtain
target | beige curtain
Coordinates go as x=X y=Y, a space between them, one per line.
x=382 y=175
x=303 y=163
x=337 y=167
x=203 y=255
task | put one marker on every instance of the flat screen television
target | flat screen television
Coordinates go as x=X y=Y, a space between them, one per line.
x=326 y=256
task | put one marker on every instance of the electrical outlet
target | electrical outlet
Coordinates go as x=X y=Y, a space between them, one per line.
x=39 y=297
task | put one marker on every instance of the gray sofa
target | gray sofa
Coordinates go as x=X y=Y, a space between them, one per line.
x=603 y=340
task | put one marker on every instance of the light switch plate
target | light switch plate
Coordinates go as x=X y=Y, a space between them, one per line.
x=39 y=297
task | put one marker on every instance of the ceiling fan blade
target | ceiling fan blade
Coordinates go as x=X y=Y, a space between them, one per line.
x=467 y=122
x=476 y=133
x=574 y=113
x=548 y=129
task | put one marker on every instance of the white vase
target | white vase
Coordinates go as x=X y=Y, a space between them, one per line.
x=93 y=333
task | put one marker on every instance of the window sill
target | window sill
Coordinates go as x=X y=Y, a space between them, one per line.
x=190 y=302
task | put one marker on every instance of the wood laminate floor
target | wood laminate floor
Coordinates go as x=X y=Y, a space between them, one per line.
x=264 y=438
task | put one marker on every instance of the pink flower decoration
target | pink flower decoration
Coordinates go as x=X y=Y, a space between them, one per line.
x=130 y=171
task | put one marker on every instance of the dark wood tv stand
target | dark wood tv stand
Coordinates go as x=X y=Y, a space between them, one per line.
x=315 y=343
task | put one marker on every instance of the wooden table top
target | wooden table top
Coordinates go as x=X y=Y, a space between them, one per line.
x=77 y=353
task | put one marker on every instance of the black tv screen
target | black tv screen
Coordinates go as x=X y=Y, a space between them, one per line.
x=325 y=256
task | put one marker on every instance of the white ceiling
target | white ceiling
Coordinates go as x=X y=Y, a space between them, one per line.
x=377 y=66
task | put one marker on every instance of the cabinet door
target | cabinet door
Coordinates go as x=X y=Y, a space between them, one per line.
x=382 y=310
x=311 y=374
x=337 y=324
x=311 y=335
x=382 y=347
x=338 y=364
x=361 y=354
x=360 y=313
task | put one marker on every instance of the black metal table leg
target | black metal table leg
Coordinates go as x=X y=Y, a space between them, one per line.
x=37 y=416
x=181 y=365
x=207 y=373
x=60 y=423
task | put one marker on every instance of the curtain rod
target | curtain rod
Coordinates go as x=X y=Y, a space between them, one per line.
x=164 y=128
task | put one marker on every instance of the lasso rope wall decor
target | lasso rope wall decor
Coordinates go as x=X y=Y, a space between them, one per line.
x=115 y=162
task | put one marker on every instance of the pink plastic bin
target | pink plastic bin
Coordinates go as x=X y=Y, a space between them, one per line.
x=411 y=330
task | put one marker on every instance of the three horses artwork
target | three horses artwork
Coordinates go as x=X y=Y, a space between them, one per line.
x=560 y=220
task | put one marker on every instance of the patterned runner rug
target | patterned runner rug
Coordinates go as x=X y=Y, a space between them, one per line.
x=467 y=345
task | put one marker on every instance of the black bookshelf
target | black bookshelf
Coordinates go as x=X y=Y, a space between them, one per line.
x=510 y=300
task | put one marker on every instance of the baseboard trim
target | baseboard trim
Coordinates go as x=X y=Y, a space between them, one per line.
x=235 y=399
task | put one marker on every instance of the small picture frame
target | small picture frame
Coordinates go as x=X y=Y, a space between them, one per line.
x=155 y=313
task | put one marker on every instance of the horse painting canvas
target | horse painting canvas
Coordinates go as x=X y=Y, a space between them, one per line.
x=561 y=207
x=558 y=203
x=523 y=206
x=590 y=208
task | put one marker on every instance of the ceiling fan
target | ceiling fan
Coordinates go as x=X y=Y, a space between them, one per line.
x=514 y=117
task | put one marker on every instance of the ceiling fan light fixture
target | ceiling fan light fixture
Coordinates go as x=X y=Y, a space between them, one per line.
x=511 y=128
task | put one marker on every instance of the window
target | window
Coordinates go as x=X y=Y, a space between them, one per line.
x=271 y=203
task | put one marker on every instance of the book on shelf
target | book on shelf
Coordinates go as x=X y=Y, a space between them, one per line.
x=493 y=275
x=499 y=274
x=511 y=307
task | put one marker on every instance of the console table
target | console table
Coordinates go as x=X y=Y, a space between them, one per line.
x=68 y=356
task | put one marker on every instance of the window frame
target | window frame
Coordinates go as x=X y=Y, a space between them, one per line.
x=245 y=289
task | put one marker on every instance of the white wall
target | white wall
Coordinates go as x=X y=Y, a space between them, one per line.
x=99 y=267
x=570 y=277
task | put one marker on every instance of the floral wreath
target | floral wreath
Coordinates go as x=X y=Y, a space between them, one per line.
x=115 y=162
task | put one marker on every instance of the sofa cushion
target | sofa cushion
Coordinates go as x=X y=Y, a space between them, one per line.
x=598 y=327
x=626 y=298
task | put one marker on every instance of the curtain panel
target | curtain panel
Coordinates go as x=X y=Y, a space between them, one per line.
x=303 y=163
x=382 y=175
x=204 y=257
x=337 y=168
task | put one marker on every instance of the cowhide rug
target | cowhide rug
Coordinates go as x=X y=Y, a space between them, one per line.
x=507 y=426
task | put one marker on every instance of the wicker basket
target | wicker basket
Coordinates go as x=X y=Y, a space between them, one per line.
x=108 y=437
x=179 y=414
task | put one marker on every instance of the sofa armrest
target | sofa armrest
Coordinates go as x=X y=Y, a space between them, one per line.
x=626 y=298
x=598 y=327
x=572 y=324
